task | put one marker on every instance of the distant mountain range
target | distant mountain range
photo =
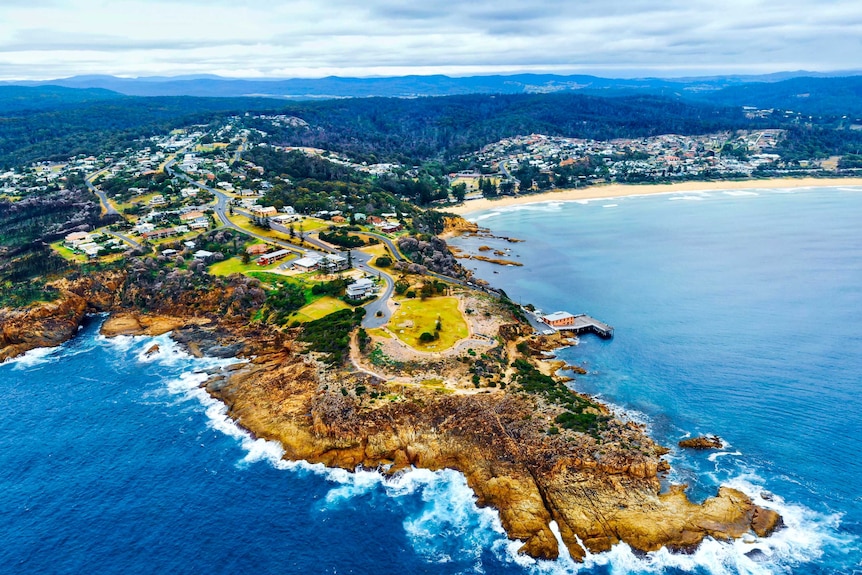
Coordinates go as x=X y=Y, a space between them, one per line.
x=411 y=86
x=806 y=92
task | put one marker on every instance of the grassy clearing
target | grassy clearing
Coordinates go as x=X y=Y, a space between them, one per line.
x=376 y=251
x=68 y=254
x=415 y=317
x=248 y=226
x=136 y=201
x=311 y=224
x=235 y=266
x=318 y=309
x=381 y=333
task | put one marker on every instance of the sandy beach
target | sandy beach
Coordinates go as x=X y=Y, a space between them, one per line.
x=609 y=191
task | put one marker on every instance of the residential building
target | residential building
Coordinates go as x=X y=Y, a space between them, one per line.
x=271 y=257
x=360 y=289
x=306 y=264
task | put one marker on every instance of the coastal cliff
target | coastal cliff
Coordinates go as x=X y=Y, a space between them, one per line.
x=49 y=324
x=600 y=485
x=599 y=490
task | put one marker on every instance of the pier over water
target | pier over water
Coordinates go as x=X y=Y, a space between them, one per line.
x=577 y=324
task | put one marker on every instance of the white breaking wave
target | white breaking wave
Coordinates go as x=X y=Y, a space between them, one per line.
x=485 y=216
x=714 y=456
x=32 y=358
x=451 y=527
x=739 y=193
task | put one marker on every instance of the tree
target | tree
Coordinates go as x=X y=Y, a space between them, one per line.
x=459 y=191
x=401 y=286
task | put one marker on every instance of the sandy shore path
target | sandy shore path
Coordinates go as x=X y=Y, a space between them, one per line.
x=622 y=190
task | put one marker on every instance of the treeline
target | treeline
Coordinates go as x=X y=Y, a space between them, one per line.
x=805 y=143
x=411 y=130
x=408 y=131
x=311 y=184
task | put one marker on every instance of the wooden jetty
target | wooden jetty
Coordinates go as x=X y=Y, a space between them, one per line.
x=577 y=324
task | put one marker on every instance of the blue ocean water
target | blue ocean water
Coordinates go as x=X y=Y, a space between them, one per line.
x=735 y=314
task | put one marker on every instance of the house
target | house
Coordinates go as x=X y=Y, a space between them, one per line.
x=158 y=200
x=334 y=262
x=77 y=238
x=271 y=257
x=191 y=216
x=159 y=234
x=92 y=250
x=202 y=255
x=263 y=211
x=285 y=219
x=559 y=319
x=257 y=249
x=338 y=219
x=360 y=289
x=306 y=264
x=389 y=227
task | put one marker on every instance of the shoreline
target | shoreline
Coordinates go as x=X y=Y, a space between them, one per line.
x=611 y=191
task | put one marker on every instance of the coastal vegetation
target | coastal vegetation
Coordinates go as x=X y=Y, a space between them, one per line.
x=330 y=335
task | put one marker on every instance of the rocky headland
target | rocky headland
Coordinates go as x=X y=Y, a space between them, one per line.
x=601 y=485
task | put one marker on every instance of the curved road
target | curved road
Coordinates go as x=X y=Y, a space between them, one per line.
x=106 y=205
x=221 y=208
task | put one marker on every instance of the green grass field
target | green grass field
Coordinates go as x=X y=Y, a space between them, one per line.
x=318 y=309
x=415 y=316
x=68 y=254
x=235 y=266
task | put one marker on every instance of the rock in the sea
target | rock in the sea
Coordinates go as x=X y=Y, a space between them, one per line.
x=153 y=349
x=703 y=442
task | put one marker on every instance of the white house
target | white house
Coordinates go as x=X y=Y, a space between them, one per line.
x=360 y=289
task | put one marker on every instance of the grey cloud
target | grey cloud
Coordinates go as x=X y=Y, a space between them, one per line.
x=735 y=34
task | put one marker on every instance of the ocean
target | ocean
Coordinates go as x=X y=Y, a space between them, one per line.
x=736 y=313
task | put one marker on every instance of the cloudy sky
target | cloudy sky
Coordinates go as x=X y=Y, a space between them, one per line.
x=42 y=39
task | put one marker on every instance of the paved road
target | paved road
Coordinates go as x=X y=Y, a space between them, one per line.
x=398 y=257
x=106 y=205
x=122 y=237
x=221 y=207
x=381 y=304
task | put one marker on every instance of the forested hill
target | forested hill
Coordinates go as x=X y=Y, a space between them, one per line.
x=23 y=98
x=813 y=96
x=386 y=128
x=107 y=125
x=423 y=128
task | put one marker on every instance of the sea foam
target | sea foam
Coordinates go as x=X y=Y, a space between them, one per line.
x=449 y=526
